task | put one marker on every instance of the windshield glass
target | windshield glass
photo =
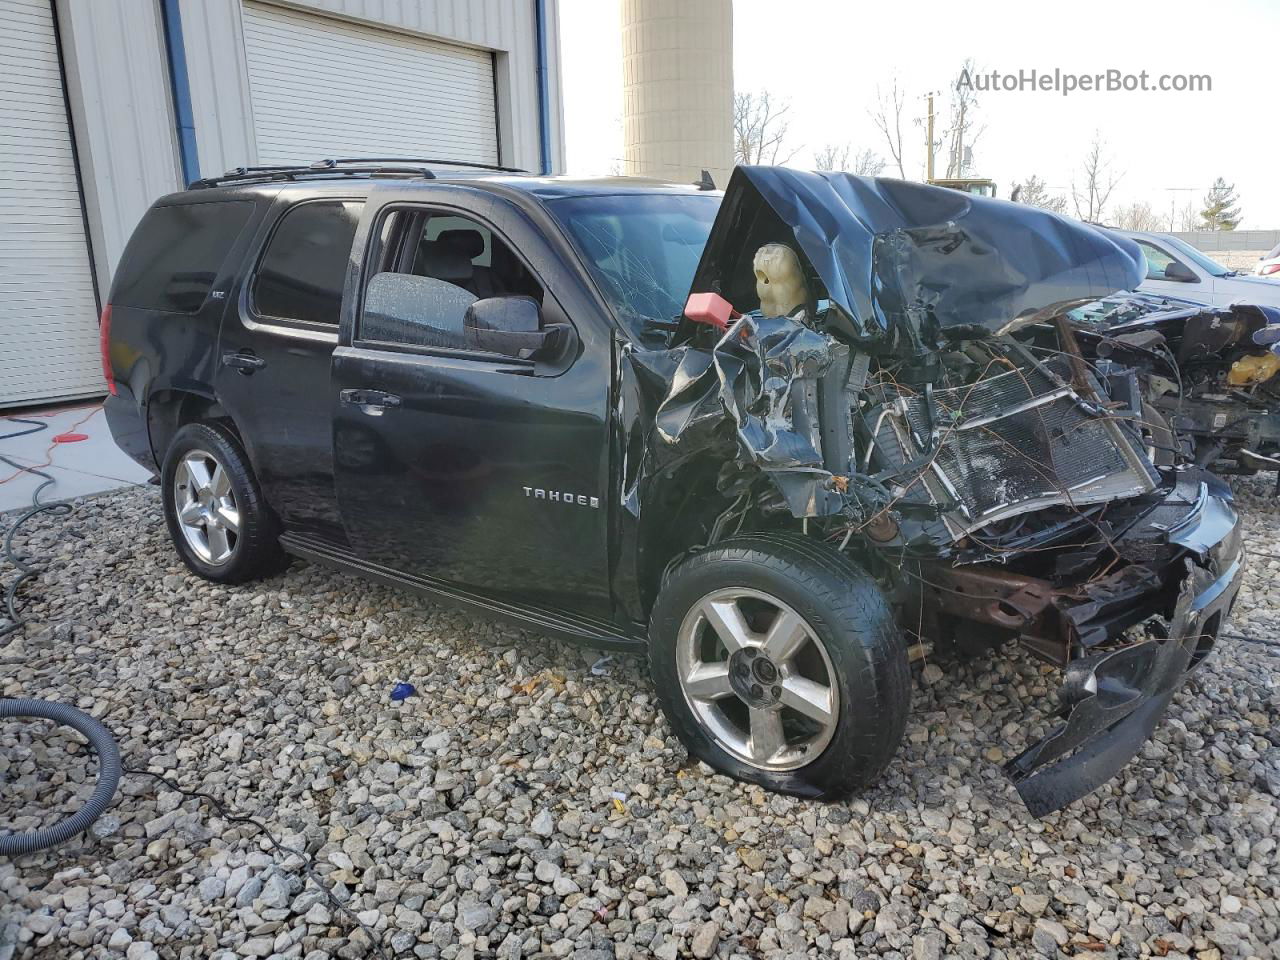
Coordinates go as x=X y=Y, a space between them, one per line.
x=641 y=249
x=1211 y=267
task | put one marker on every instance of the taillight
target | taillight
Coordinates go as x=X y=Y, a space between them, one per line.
x=104 y=344
x=1270 y=268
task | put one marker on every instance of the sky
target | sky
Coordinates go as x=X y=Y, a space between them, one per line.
x=830 y=58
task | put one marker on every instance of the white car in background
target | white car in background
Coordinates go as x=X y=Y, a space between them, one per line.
x=1269 y=265
x=1177 y=269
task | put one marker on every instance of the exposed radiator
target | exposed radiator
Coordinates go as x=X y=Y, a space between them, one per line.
x=1016 y=441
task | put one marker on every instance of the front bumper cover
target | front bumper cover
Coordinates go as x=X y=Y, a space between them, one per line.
x=1113 y=700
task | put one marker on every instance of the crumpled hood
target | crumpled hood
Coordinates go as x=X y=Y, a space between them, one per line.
x=908 y=264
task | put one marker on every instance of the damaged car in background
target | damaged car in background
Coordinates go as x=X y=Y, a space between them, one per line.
x=888 y=376
x=1208 y=374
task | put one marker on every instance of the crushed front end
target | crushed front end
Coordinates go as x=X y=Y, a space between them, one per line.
x=923 y=402
x=1003 y=499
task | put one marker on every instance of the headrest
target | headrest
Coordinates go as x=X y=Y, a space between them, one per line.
x=434 y=259
x=469 y=243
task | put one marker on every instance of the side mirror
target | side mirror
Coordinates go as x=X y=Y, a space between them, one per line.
x=1180 y=272
x=512 y=326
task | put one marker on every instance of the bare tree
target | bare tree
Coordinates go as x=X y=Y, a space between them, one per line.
x=963 y=131
x=1138 y=216
x=1189 y=218
x=760 y=129
x=868 y=163
x=887 y=117
x=865 y=163
x=833 y=156
x=1033 y=192
x=1096 y=182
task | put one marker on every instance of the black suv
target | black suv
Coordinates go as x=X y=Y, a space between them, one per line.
x=786 y=439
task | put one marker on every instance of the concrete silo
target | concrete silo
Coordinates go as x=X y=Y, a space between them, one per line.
x=677 y=70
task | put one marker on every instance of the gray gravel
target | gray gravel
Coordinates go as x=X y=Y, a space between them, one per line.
x=520 y=805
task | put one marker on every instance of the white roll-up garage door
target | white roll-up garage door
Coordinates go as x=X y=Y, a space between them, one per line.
x=328 y=88
x=48 y=316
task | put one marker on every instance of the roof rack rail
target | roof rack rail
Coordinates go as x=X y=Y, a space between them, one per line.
x=469 y=164
x=411 y=167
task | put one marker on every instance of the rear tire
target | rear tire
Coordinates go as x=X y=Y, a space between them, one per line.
x=828 y=663
x=214 y=509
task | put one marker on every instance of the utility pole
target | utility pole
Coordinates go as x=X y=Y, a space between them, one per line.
x=1173 y=204
x=928 y=142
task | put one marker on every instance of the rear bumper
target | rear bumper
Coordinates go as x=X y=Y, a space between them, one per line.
x=127 y=420
x=1113 y=700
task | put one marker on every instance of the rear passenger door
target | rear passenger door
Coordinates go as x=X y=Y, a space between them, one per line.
x=463 y=466
x=274 y=357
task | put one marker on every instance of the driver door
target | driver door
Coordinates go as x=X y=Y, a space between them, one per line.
x=462 y=466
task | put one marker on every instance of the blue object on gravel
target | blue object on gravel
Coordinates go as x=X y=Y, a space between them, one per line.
x=402 y=690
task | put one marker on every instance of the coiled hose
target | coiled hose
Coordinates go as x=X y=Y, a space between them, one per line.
x=18 y=844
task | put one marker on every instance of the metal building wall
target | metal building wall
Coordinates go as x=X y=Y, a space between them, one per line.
x=122 y=110
x=118 y=88
x=213 y=31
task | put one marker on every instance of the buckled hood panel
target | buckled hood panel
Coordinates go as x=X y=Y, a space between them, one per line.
x=911 y=266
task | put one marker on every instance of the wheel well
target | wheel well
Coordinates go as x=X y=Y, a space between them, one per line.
x=170 y=410
x=682 y=509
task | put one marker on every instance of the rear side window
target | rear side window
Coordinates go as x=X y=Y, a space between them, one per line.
x=176 y=253
x=301 y=274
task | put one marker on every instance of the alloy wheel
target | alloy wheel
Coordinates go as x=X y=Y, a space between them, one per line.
x=758 y=678
x=206 y=508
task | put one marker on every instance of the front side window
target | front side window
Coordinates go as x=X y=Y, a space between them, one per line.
x=1157 y=260
x=641 y=249
x=302 y=271
x=429 y=268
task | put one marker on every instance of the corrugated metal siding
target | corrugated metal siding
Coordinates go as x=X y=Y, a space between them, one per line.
x=48 y=328
x=217 y=75
x=324 y=87
x=118 y=83
x=218 y=71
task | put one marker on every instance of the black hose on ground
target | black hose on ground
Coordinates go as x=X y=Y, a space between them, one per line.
x=18 y=844
x=23 y=563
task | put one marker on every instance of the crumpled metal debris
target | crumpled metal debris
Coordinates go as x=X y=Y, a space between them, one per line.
x=753 y=396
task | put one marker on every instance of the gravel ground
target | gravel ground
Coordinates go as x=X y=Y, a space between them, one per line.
x=522 y=804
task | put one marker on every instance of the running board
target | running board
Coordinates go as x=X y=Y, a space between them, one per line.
x=587 y=630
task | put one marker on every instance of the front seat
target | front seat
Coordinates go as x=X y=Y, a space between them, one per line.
x=440 y=260
x=470 y=244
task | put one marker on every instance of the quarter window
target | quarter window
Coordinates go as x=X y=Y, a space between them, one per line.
x=176 y=254
x=301 y=274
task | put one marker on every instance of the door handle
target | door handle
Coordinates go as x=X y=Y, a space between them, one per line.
x=245 y=361
x=372 y=402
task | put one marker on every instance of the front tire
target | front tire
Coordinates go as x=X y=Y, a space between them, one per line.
x=778 y=662
x=214 y=509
